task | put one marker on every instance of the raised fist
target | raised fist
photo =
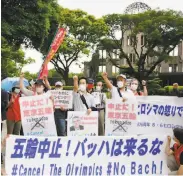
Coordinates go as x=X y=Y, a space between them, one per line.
x=143 y=82
x=104 y=75
x=75 y=77
x=169 y=139
x=22 y=75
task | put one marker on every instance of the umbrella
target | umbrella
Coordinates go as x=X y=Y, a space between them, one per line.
x=8 y=83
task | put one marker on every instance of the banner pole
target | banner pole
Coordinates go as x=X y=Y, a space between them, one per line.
x=48 y=50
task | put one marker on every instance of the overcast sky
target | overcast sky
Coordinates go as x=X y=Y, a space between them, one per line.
x=99 y=8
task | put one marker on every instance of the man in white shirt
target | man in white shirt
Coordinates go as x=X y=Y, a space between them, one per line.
x=120 y=92
x=82 y=100
x=100 y=98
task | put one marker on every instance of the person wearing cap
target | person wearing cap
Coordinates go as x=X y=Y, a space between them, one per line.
x=119 y=92
x=100 y=106
x=40 y=86
x=134 y=84
x=90 y=85
x=175 y=153
x=82 y=100
x=60 y=114
x=13 y=112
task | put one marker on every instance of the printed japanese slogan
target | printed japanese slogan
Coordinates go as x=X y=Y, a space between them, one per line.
x=159 y=116
x=37 y=116
x=132 y=155
x=151 y=116
x=121 y=118
x=62 y=98
x=82 y=124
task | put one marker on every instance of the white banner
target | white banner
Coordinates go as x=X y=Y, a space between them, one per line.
x=153 y=115
x=130 y=155
x=81 y=124
x=37 y=116
x=120 y=119
x=62 y=98
x=160 y=115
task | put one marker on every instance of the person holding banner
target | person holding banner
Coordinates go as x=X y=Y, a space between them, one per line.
x=100 y=105
x=82 y=100
x=175 y=159
x=134 y=84
x=60 y=114
x=120 y=92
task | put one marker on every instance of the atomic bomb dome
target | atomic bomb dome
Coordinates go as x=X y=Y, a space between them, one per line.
x=137 y=7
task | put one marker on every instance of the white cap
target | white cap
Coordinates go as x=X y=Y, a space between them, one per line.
x=59 y=83
x=121 y=75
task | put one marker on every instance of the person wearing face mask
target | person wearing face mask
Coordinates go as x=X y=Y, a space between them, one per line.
x=13 y=112
x=60 y=114
x=134 y=84
x=90 y=85
x=120 y=92
x=39 y=87
x=82 y=100
x=100 y=106
x=175 y=153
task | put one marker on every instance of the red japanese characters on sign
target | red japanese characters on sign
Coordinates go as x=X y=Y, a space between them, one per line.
x=121 y=111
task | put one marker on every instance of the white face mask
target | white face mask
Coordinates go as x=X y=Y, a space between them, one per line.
x=120 y=84
x=98 y=88
x=134 y=87
x=39 y=90
x=17 y=91
x=82 y=87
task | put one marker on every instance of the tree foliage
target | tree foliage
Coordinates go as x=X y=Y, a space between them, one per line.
x=12 y=60
x=83 y=32
x=162 y=31
x=26 y=22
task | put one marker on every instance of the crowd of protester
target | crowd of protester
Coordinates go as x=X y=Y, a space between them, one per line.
x=83 y=100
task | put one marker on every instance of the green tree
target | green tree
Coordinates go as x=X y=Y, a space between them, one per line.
x=26 y=21
x=162 y=31
x=83 y=32
x=30 y=76
x=12 y=60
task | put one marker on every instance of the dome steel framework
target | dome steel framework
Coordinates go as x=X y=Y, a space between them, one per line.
x=137 y=7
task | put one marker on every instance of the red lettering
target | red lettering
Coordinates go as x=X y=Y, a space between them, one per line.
x=117 y=115
x=125 y=107
x=110 y=114
x=124 y=115
x=111 y=106
x=48 y=110
x=132 y=116
x=33 y=112
x=26 y=113
x=40 y=111
x=118 y=107
x=33 y=103
x=25 y=104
